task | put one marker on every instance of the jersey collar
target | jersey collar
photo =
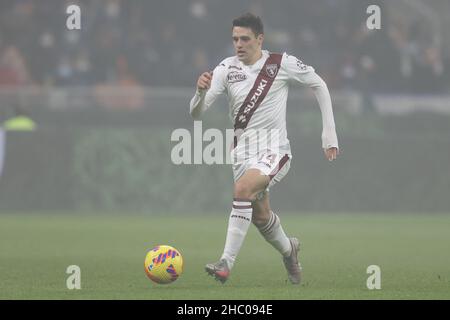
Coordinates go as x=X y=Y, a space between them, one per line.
x=259 y=63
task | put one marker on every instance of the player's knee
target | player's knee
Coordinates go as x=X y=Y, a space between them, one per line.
x=243 y=190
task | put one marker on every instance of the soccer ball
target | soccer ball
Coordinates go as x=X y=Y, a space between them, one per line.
x=163 y=264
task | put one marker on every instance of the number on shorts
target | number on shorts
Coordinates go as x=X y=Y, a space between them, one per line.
x=268 y=157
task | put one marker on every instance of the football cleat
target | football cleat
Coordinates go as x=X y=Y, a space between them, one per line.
x=219 y=270
x=292 y=264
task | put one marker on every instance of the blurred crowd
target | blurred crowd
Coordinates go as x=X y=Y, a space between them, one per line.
x=169 y=43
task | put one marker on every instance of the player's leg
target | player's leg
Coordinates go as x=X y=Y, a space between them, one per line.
x=246 y=188
x=269 y=225
x=245 y=191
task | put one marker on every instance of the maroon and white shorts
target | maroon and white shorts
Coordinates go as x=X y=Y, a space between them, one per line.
x=274 y=165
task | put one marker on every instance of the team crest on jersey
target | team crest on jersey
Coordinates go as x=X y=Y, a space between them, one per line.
x=271 y=70
x=235 y=76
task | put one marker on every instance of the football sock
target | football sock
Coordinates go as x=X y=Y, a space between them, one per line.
x=238 y=224
x=274 y=234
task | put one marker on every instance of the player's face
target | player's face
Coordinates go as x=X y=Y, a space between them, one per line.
x=246 y=45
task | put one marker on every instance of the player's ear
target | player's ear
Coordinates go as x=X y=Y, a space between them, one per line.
x=260 y=38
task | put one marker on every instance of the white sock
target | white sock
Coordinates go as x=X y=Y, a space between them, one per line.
x=274 y=234
x=238 y=224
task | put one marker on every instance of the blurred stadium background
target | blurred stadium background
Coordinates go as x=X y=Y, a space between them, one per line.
x=105 y=100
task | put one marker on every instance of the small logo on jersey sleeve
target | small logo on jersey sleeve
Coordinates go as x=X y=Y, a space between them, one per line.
x=271 y=70
x=301 y=65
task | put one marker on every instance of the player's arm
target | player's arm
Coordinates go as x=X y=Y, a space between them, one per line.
x=209 y=86
x=306 y=75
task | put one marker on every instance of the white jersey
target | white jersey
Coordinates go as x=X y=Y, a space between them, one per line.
x=236 y=79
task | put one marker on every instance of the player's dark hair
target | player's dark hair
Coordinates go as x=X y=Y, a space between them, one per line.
x=251 y=21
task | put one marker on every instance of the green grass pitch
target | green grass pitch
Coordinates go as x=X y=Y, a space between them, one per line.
x=413 y=252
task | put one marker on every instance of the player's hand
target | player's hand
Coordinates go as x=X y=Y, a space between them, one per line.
x=204 y=81
x=331 y=153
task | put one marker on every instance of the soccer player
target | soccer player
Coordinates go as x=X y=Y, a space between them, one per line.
x=256 y=83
